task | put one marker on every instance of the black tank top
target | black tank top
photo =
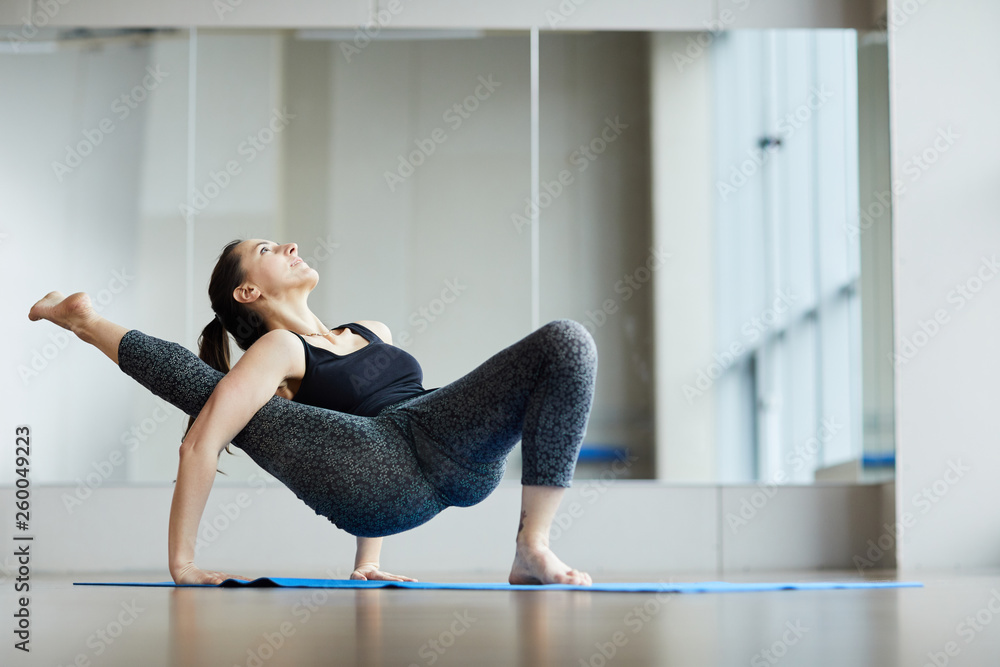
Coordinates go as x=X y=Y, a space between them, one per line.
x=362 y=382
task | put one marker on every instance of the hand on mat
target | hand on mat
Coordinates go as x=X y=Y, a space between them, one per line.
x=371 y=572
x=190 y=574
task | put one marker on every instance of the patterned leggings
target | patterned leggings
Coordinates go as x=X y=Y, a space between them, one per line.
x=376 y=476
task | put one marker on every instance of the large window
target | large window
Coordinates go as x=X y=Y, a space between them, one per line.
x=788 y=306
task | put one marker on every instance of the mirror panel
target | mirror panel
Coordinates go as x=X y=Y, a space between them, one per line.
x=402 y=171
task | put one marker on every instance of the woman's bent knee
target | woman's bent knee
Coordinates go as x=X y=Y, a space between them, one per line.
x=572 y=334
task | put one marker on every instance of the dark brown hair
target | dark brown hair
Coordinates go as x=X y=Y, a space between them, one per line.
x=232 y=317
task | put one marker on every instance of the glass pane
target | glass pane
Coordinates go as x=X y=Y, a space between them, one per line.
x=395 y=169
x=597 y=256
x=777 y=393
x=93 y=166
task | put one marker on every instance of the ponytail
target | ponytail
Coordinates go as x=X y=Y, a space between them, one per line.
x=213 y=349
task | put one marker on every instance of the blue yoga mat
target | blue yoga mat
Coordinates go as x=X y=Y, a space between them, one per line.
x=698 y=587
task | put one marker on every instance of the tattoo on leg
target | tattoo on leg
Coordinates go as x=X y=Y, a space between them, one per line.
x=520 y=526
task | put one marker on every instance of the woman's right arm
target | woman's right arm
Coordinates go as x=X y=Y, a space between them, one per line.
x=195 y=475
x=235 y=400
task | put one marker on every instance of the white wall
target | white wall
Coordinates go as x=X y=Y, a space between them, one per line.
x=15 y=13
x=943 y=75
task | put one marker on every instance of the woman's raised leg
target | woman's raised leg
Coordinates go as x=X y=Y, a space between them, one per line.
x=185 y=385
x=182 y=380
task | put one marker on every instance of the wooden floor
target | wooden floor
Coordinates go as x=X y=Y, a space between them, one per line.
x=949 y=621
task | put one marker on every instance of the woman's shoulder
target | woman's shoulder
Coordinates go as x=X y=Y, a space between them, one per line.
x=282 y=341
x=279 y=337
x=285 y=347
x=377 y=328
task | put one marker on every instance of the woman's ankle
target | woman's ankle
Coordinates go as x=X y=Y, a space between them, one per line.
x=103 y=334
x=84 y=327
x=532 y=541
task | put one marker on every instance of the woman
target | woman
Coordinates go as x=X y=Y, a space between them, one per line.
x=405 y=453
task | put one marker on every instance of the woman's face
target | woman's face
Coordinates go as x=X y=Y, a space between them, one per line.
x=274 y=269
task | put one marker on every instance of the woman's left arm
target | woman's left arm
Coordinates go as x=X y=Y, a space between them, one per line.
x=369 y=549
x=366 y=562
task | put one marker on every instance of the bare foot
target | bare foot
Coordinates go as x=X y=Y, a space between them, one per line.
x=69 y=312
x=538 y=565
